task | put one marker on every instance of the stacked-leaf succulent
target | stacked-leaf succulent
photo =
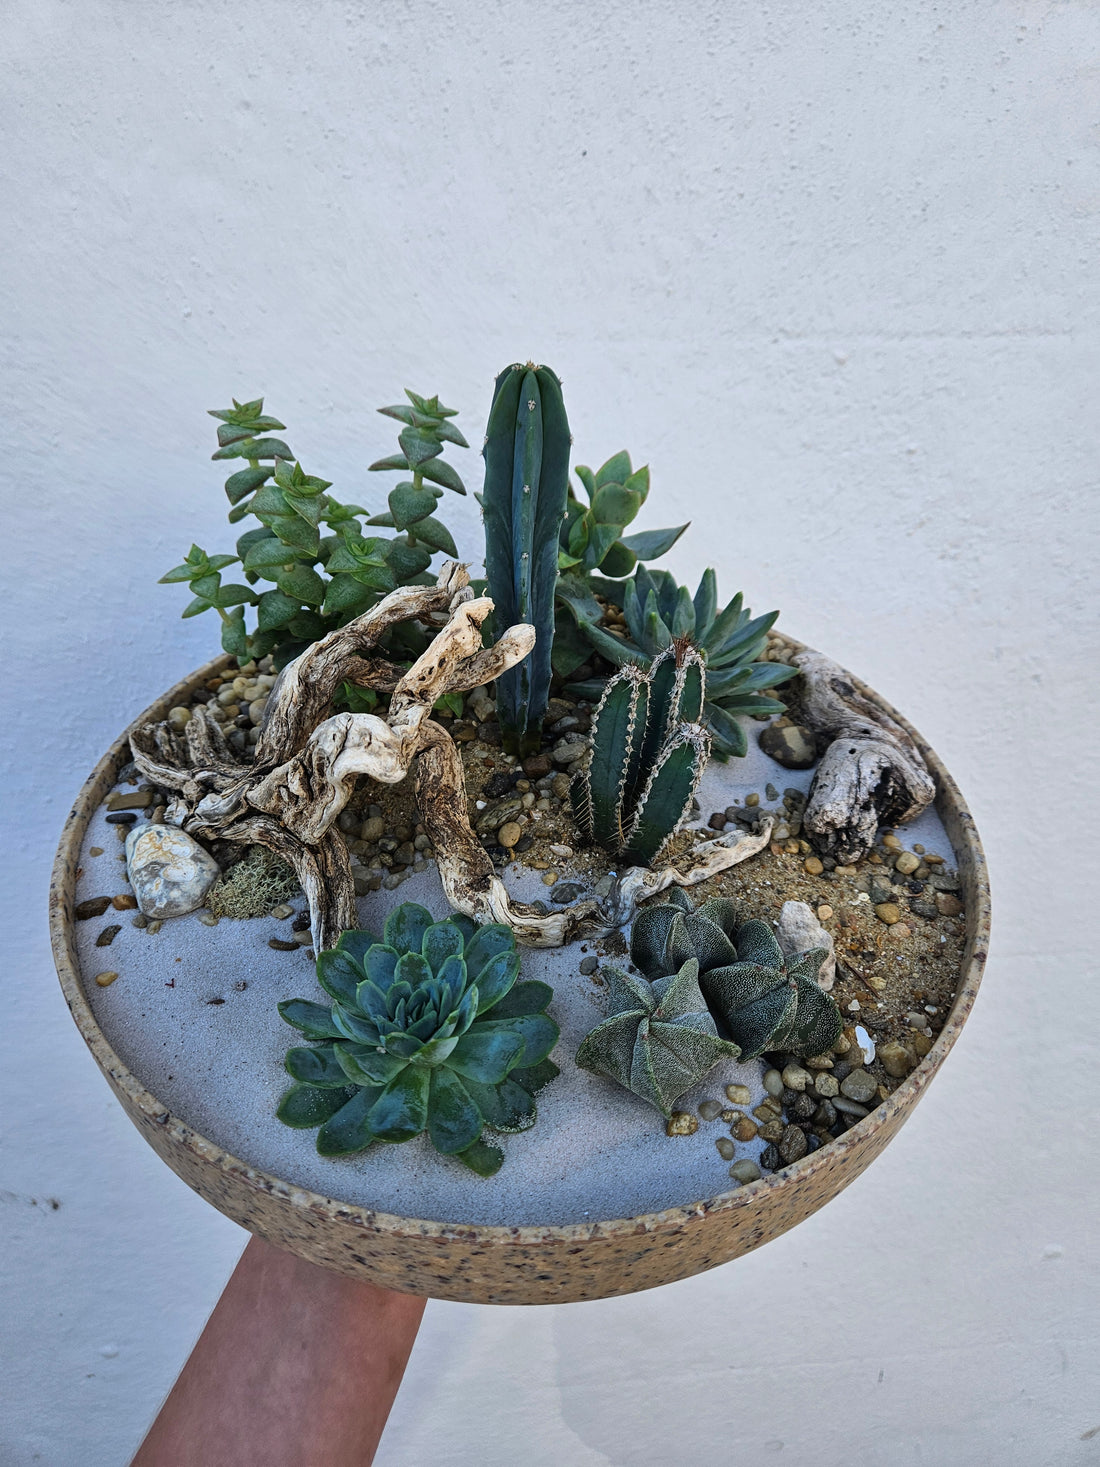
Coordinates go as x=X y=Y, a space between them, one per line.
x=648 y=753
x=526 y=479
x=318 y=580
x=760 y=999
x=428 y=1030
x=657 y=610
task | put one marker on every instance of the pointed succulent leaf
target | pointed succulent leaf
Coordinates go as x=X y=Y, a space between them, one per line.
x=522 y=998
x=313 y=1020
x=356 y=943
x=486 y=1053
x=406 y=926
x=615 y=470
x=482 y=1158
x=306 y=1106
x=440 y=941
x=495 y=979
x=534 y=1078
x=505 y=1107
x=401 y=1111
x=454 y=1120
x=348 y=1130
x=430 y=531
x=339 y=974
x=486 y=943
x=727 y=735
x=316 y=1066
x=619 y=561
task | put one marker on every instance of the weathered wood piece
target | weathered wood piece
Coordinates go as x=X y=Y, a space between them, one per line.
x=870 y=775
x=288 y=795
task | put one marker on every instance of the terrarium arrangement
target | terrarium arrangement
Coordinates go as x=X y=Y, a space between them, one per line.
x=654 y=881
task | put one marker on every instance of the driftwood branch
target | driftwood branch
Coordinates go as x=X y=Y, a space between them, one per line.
x=871 y=774
x=288 y=796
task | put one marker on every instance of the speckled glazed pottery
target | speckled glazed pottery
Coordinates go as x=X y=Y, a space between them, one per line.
x=510 y=1265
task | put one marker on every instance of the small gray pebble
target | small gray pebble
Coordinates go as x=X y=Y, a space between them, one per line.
x=589 y=965
x=710 y=1110
x=725 y=1148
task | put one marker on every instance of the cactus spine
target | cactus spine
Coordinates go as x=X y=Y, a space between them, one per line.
x=648 y=752
x=526 y=486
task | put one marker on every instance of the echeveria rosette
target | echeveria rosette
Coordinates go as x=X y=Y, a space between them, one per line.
x=428 y=1031
x=761 y=999
x=659 y=1039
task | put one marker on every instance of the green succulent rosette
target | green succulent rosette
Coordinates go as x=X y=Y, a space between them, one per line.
x=428 y=1031
x=761 y=999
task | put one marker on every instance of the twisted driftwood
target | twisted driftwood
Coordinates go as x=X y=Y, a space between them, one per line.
x=288 y=795
x=870 y=774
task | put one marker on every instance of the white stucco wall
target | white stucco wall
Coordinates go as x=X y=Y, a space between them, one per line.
x=831 y=270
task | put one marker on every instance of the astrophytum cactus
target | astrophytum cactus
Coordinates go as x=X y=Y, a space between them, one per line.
x=659 y=1039
x=428 y=1030
x=760 y=999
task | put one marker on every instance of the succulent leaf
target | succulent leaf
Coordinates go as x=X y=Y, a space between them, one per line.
x=403 y=1047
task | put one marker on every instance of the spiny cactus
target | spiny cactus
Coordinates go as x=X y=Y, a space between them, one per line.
x=428 y=1030
x=526 y=478
x=657 y=609
x=648 y=752
x=762 y=1000
x=659 y=1040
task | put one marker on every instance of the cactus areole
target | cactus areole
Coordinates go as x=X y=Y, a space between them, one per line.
x=526 y=487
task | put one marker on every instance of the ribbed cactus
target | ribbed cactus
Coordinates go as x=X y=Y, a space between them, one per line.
x=648 y=752
x=762 y=1000
x=526 y=485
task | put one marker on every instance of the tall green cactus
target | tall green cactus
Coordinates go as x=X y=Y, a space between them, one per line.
x=526 y=485
x=648 y=752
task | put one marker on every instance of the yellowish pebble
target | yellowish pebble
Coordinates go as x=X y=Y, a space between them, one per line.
x=739 y=1094
x=812 y=866
x=105 y=979
x=824 y=912
x=95 y=851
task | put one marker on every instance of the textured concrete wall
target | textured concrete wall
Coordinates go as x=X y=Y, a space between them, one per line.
x=831 y=270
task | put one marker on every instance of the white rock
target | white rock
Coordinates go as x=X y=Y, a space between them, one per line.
x=799 y=931
x=168 y=870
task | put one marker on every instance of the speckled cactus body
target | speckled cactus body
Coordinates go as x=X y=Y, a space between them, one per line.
x=648 y=753
x=760 y=999
x=526 y=453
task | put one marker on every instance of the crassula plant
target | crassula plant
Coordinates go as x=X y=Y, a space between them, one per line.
x=427 y=1030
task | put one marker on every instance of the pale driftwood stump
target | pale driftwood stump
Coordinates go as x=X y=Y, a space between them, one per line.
x=871 y=774
x=288 y=794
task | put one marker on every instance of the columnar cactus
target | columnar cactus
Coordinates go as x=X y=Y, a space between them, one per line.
x=428 y=1030
x=762 y=1000
x=648 y=752
x=526 y=482
x=659 y=1039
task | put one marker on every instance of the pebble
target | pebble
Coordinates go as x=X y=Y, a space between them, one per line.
x=927 y=910
x=589 y=965
x=549 y=878
x=907 y=863
x=563 y=853
x=95 y=850
x=568 y=750
x=752 y=800
x=897 y=1059
x=859 y=1086
x=770 y=1159
x=922 y=1043
x=826 y=1085
x=812 y=866
x=124 y=902
x=948 y=905
x=108 y=935
x=682 y=1123
x=208 y=919
x=793 y=1144
x=122 y=801
x=745 y=1129
x=280 y=946
x=825 y=1114
x=888 y=912
x=739 y=1094
x=565 y=891
x=710 y=1110
x=153 y=924
x=772 y=1130
x=508 y=834
x=537 y=766
x=141 y=920
x=725 y=1148
x=796 y=1078
x=93 y=907
x=892 y=843
x=559 y=788
x=105 y=979
x=767 y=1110
x=282 y=912
x=824 y=912
x=848 y=1107
x=793 y=746
x=773 y=1082
x=122 y=817
x=798 y=930
x=604 y=885
x=373 y=828
x=169 y=871
x=745 y=1172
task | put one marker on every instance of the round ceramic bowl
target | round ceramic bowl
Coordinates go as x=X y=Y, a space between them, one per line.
x=522 y=1264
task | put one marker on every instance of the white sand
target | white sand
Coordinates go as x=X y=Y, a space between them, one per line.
x=596 y=1152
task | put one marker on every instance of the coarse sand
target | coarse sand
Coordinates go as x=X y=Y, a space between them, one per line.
x=193 y=1015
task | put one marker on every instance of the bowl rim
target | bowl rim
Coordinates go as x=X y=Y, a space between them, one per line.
x=972 y=867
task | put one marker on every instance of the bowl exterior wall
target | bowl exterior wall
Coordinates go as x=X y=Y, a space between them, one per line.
x=523 y=1265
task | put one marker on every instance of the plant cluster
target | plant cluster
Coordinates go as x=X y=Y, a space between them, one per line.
x=428 y=1030
x=648 y=753
x=309 y=547
x=657 y=610
x=750 y=999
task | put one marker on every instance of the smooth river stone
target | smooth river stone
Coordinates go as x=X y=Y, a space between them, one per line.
x=168 y=870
